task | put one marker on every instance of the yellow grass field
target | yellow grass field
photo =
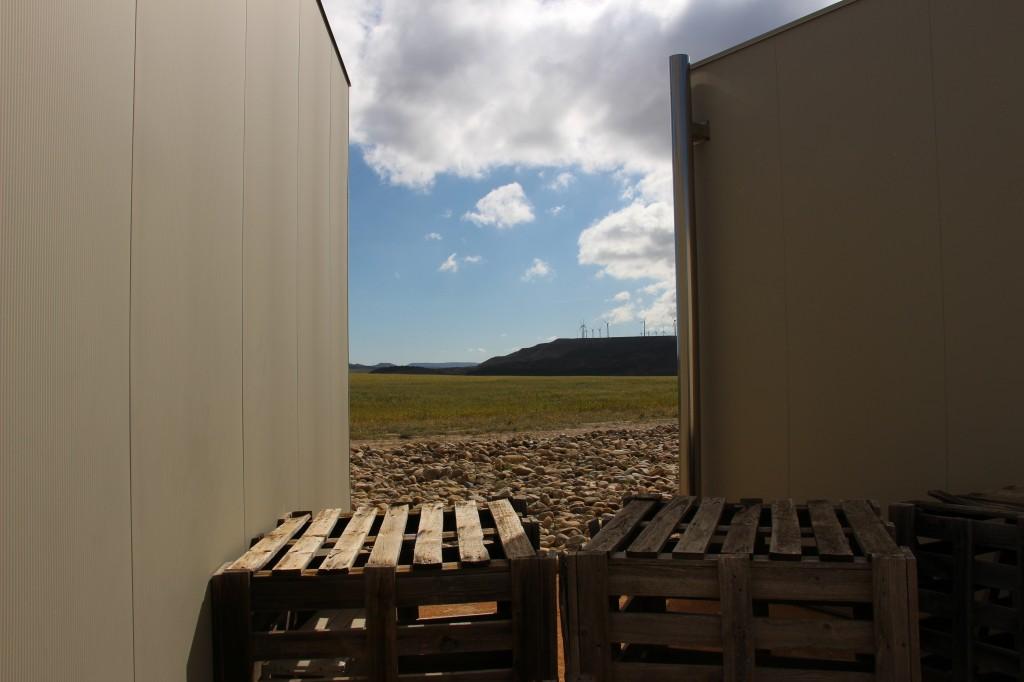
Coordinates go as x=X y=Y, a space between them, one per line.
x=390 y=405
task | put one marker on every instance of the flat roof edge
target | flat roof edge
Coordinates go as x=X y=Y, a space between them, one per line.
x=334 y=42
x=774 y=32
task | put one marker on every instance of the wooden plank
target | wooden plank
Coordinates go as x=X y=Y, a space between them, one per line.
x=427 y=552
x=652 y=539
x=618 y=531
x=828 y=533
x=471 y=537
x=685 y=631
x=525 y=576
x=642 y=671
x=962 y=598
x=454 y=638
x=343 y=555
x=382 y=621
x=742 y=535
x=896 y=657
x=388 y=545
x=785 y=540
x=695 y=541
x=591 y=577
x=737 y=619
x=510 y=530
x=304 y=550
x=871 y=535
x=232 y=626
x=260 y=554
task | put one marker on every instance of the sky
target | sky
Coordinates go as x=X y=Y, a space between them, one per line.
x=510 y=166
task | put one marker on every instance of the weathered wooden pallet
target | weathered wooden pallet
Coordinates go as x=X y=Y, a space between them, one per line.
x=701 y=589
x=970 y=560
x=348 y=596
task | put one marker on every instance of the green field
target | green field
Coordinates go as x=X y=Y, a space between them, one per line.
x=388 y=405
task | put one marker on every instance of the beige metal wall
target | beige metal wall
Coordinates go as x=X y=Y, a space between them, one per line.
x=65 y=227
x=174 y=252
x=861 y=302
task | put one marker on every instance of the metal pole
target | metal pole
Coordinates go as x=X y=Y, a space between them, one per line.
x=686 y=252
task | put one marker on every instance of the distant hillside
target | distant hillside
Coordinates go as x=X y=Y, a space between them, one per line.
x=365 y=369
x=443 y=365
x=623 y=356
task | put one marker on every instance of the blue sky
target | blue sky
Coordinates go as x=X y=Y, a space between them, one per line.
x=462 y=116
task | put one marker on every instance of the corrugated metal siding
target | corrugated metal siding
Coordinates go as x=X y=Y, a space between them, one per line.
x=65 y=160
x=339 y=284
x=857 y=266
x=187 y=482
x=318 y=475
x=271 y=214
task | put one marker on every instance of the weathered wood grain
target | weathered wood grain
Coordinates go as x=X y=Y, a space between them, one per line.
x=470 y=535
x=785 y=540
x=345 y=551
x=695 y=541
x=828 y=533
x=617 y=532
x=742 y=534
x=388 y=545
x=510 y=529
x=260 y=554
x=652 y=539
x=427 y=551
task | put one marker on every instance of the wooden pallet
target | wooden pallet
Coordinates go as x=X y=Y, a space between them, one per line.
x=700 y=589
x=356 y=596
x=970 y=562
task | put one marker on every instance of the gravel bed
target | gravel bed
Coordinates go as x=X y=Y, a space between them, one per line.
x=567 y=479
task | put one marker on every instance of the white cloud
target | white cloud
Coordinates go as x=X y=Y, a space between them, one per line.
x=662 y=311
x=555 y=210
x=636 y=242
x=433 y=236
x=562 y=181
x=465 y=87
x=622 y=296
x=502 y=207
x=621 y=314
x=449 y=264
x=539 y=270
x=473 y=259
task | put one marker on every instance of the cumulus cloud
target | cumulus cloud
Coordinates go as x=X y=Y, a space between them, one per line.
x=503 y=207
x=620 y=314
x=433 y=236
x=473 y=259
x=449 y=264
x=466 y=87
x=621 y=296
x=539 y=270
x=637 y=242
x=562 y=181
x=555 y=210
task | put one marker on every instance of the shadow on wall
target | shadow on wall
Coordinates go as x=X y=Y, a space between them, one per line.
x=200 y=655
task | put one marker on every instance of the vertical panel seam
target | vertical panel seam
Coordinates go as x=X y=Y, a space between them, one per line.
x=938 y=225
x=787 y=371
x=298 y=227
x=131 y=298
x=245 y=86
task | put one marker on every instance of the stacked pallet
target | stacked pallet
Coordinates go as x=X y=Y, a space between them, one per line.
x=347 y=596
x=970 y=561
x=701 y=589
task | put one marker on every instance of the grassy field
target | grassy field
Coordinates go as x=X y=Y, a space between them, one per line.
x=386 y=405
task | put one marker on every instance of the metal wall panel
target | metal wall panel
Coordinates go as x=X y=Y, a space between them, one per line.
x=271 y=214
x=979 y=106
x=864 y=306
x=897 y=213
x=65 y=210
x=339 y=272
x=742 y=249
x=319 y=484
x=186 y=345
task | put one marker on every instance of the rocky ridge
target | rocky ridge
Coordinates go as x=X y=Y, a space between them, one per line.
x=566 y=479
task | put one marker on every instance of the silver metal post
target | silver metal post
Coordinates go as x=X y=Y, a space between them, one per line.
x=686 y=254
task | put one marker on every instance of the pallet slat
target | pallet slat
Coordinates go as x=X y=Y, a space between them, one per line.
x=870 y=533
x=785 y=539
x=742 y=534
x=343 y=556
x=388 y=545
x=828 y=533
x=510 y=530
x=260 y=554
x=652 y=539
x=698 y=535
x=427 y=552
x=471 y=537
x=616 y=532
x=303 y=551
